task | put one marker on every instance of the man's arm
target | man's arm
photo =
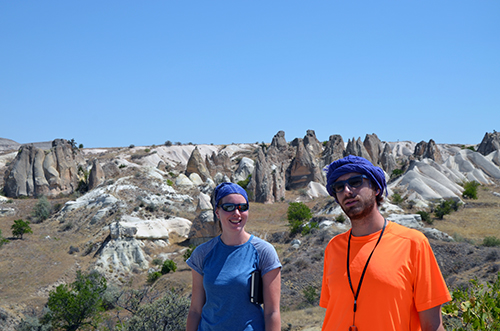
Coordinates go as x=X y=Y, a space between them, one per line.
x=431 y=319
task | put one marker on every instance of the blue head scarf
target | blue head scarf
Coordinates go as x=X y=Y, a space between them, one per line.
x=225 y=189
x=357 y=164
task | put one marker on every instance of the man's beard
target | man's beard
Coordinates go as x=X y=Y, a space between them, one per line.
x=361 y=209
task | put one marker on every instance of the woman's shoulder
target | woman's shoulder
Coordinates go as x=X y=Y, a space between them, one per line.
x=206 y=247
x=262 y=246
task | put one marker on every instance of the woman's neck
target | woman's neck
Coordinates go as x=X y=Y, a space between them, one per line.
x=235 y=240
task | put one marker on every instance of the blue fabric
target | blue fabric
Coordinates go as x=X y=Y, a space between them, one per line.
x=357 y=164
x=226 y=279
x=225 y=189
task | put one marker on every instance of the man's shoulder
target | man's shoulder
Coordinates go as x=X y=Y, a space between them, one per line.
x=405 y=232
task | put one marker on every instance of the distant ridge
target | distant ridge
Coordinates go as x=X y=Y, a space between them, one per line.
x=8 y=144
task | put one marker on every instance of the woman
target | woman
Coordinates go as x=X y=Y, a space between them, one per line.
x=222 y=270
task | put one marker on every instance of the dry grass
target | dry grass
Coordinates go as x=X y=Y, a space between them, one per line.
x=477 y=219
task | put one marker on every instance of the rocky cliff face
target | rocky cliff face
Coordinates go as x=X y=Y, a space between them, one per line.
x=35 y=172
x=490 y=143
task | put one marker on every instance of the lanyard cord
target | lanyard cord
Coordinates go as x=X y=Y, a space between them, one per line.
x=364 y=270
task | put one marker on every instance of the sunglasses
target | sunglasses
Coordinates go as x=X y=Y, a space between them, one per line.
x=353 y=182
x=242 y=207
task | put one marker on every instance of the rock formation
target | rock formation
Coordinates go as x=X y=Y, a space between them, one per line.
x=373 y=146
x=204 y=226
x=356 y=147
x=96 y=176
x=35 y=172
x=387 y=160
x=334 y=150
x=303 y=168
x=268 y=181
x=313 y=145
x=427 y=150
x=197 y=165
x=218 y=163
x=490 y=143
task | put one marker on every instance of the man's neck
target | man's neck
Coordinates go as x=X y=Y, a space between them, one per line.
x=367 y=225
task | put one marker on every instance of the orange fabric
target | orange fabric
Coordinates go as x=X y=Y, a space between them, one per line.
x=402 y=278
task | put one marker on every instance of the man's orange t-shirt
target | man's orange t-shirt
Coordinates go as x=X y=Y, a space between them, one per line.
x=402 y=278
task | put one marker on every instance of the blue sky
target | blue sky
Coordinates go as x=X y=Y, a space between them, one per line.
x=115 y=73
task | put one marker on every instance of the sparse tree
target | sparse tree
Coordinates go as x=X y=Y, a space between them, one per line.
x=20 y=227
x=78 y=304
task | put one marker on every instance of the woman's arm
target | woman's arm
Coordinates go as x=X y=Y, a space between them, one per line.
x=272 y=291
x=197 y=301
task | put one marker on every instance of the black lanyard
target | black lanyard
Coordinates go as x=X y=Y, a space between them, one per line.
x=364 y=270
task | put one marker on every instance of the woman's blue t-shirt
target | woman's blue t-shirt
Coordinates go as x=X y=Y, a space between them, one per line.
x=226 y=278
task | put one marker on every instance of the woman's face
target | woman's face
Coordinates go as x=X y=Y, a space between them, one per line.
x=232 y=221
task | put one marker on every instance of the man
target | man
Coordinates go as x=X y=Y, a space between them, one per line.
x=379 y=275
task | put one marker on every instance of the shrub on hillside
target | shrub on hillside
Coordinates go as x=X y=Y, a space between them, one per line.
x=2 y=240
x=426 y=217
x=153 y=276
x=445 y=207
x=169 y=313
x=475 y=307
x=470 y=190
x=244 y=183
x=491 y=241
x=168 y=266
x=397 y=198
x=188 y=252
x=42 y=210
x=396 y=173
x=297 y=214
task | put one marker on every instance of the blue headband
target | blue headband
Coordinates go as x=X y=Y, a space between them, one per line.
x=357 y=164
x=225 y=189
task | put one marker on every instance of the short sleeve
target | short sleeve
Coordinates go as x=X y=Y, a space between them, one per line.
x=268 y=258
x=197 y=257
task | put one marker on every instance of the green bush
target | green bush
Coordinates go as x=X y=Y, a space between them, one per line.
x=157 y=261
x=297 y=214
x=153 y=276
x=474 y=308
x=168 y=266
x=426 y=217
x=491 y=242
x=244 y=183
x=2 y=240
x=188 y=252
x=306 y=229
x=77 y=305
x=445 y=207
x=397 y=198
x=42 y=210
x=397 y=172
x=311 y=294
x=341 y=218
x=20 y=227
x=470 y=190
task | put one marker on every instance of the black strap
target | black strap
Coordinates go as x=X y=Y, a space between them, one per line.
x=364 y=270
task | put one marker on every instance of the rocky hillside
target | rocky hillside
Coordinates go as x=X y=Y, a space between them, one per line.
x=117 y=209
